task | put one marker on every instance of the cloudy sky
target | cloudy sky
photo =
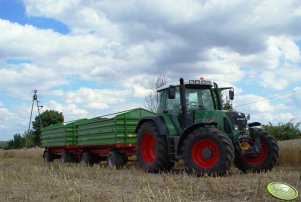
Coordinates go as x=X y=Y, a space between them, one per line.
x=92 y=57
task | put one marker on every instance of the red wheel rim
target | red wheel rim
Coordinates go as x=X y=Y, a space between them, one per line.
x=198 y=157
x=148 y=148
x=261 y=156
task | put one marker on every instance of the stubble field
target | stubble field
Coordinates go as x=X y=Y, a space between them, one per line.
x=24 y=177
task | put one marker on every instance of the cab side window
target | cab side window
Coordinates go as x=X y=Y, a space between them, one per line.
x=173 y=105
x=161 y=101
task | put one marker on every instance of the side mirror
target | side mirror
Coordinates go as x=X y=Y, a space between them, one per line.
x=231 y=94
x=248 y=117
x=171 y=92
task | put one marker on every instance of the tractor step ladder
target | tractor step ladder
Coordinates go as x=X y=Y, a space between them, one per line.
x=171 y=148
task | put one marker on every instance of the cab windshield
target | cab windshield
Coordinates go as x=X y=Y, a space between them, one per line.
x=196 y=98
x=199 y=98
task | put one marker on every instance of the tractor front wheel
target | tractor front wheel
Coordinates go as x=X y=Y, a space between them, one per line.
x=267 y=157
x=207 y=151
x=152 y=149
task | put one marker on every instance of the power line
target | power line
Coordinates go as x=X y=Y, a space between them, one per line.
x=269 y=98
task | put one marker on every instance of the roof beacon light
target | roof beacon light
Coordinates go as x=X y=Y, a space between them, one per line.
x=202 y=78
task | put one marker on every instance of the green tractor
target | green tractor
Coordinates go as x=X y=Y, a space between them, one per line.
x=191 y=125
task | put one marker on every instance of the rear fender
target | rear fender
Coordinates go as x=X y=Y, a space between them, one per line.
x=157 y=120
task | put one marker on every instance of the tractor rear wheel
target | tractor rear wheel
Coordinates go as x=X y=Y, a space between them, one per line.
x=116 y=159
x=207 y=151
x=87 y=159
x=48 y=157
x=152 y=149
x=267 y=157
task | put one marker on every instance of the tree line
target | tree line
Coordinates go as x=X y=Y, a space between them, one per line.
x=32 y=138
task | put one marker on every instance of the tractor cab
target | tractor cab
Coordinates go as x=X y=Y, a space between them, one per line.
x=192 y=102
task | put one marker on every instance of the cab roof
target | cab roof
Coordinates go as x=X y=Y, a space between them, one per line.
x=191 y=82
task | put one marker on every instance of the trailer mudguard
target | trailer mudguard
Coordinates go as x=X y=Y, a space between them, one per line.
x=157 y=120
x=188 y=130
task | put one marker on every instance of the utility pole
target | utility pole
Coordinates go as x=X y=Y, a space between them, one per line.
x=34 y=98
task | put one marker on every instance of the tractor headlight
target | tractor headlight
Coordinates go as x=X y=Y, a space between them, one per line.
x=235 y=127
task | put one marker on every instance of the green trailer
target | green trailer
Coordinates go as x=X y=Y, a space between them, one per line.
x=90 y=140
x=62 y=134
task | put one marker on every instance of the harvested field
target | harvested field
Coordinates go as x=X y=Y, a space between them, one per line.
x=24 y=177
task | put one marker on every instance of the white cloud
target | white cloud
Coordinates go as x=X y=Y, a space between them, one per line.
x=125 y=43
x=6 y=116
x=21 y=79
x=262 y=106
x=70 y=111
x=11 y=123
x=285 y=117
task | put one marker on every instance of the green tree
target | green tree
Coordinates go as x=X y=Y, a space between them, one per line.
x=226 y=103
x=151 y=99
x=284 y=131
x=30 y=138
x=17 y=142
x=45 y=119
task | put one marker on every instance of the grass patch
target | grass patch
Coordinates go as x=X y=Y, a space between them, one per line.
x=23 y=176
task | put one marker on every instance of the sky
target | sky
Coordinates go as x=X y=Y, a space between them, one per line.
x=88 y=58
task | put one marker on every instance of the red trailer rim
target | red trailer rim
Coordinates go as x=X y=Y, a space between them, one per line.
x=198 y=150
x=261 y=156
x=148 y=148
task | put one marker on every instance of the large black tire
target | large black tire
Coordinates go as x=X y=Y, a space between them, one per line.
x=87 y=159
x=125 y=158
x=208 y=151
x=66 y=157
x=115 y=159
x=267 y=157
x=152 y=149
x=48 y=157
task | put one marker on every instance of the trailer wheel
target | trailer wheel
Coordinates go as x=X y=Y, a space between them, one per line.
x=152 y=149
x=48 y=157
x=125 y=158
x=66 y=157
x=267 y=157
x=115 y=159
x=208 y=151
x=87 y=159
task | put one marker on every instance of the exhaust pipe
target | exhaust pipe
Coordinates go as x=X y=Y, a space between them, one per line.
x=183 y=115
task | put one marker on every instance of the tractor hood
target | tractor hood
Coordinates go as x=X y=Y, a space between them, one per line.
x=238 y=120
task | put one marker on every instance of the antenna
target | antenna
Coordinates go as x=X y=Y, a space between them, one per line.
x=34 y=98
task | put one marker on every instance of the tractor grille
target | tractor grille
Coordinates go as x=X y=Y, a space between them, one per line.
x=238 y=119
